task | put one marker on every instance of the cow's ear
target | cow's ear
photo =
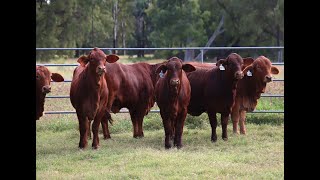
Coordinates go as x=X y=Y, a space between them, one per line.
x=274 y=70
x=162 y=68
x=112 y=58
x=83 y=60
x=221 y=61
x=247 y=61
x=248 y=71
x=56 y=77
x=188 y=68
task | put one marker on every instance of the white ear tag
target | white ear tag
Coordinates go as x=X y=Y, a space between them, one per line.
x=221 y=67
x=249 y=73
x=161 y=74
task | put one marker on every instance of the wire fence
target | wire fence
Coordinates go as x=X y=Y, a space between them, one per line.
x=124 y=110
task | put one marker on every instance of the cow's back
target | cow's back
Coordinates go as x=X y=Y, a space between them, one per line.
x=197 y=79
x=130 y=84
x=75 y=88
x=210 y=89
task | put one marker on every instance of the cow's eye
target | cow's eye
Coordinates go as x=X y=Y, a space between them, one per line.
x=38 y=77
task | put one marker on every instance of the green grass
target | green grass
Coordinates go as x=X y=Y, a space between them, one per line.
x=258 y=155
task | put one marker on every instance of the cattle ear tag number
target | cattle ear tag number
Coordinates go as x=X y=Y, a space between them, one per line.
x=249 y=73
x=221 y=67
x=161 y=74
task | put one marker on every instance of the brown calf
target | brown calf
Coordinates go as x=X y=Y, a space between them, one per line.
x=43 y=79
x=132 y=87
x=213 y=91
x=172 y=93
x=256 y=77
x=89 y=93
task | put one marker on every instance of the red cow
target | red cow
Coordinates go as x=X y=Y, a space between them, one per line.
x=89 y=93
x=249 y=89
x=43 y=79
x=130 y=86
x=172 y=96
x=213 y=91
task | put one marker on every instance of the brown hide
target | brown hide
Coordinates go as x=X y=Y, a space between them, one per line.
x=249 y=90
x=89 y=93
x=43 y=78
x=172 y=96
x=213 y=91
x=131 y=87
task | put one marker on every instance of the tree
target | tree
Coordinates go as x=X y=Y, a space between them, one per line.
x=140 y=24
x=176 y=23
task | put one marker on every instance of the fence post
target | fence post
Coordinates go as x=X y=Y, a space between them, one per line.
x=280 y=55
x=201 y=55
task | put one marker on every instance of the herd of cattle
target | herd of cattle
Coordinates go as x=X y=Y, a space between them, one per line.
x=100 y=86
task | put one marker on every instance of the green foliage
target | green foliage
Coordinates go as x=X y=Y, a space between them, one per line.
x=159 y=23
x=152 y=121
x=197 y=122
x=178 y=23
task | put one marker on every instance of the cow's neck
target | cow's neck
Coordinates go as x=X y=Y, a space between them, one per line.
x=173 y=95
x=226 y=80
x=155 y=77
x=94 y=80
x=94 y=86
x=40 y=99
x=250 y=87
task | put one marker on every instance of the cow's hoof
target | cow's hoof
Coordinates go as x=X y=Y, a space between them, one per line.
x=225 y=139
x=95 y=147
x=214 y=139
x=138 y=136
x=82 y=146
x=107 y=137
x=236 y=132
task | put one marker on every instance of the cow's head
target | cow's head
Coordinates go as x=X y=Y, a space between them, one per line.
x=173 y=69
x=233 y=65
x=261 y=69
x=43 y=78
x=97 y=59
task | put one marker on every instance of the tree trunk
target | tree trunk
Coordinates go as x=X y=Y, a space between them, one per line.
x=115 y=27
x=189 y=54
x=140 y=34
x=123 y=26
x=278 y=44
x=217 y=32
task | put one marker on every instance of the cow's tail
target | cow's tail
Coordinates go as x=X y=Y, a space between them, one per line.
x=109 y=118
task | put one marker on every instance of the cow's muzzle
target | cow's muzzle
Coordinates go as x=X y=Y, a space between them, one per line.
x=174 y=82
x=101 y=70
x=267 y=78
x=238 y=75
x=46 y=89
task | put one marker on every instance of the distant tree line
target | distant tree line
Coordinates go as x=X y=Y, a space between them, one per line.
x=157 y=23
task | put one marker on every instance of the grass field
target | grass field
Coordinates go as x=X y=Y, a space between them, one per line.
x=257 y=155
